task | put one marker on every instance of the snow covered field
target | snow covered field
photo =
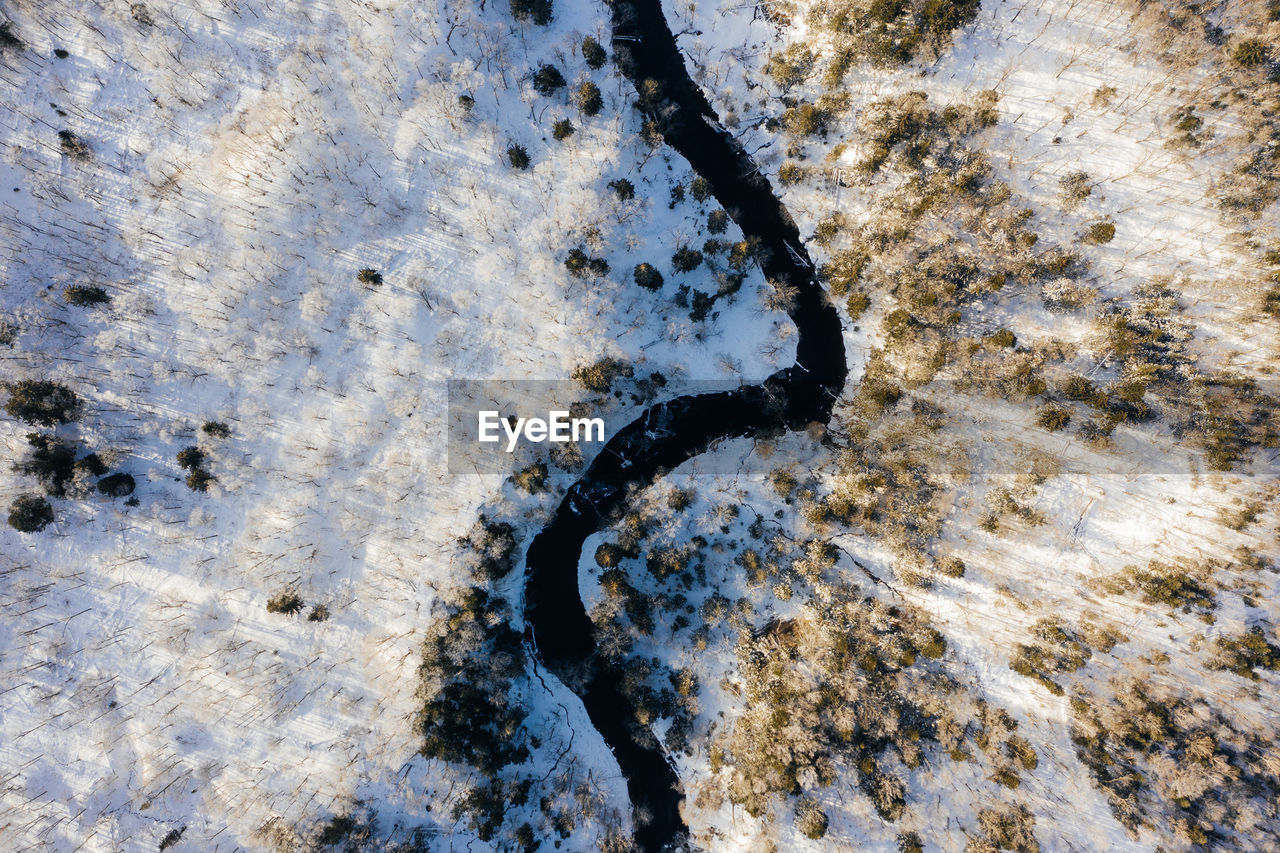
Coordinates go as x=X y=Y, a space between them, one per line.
x=231 y=168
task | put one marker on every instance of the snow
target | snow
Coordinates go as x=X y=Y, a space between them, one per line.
x=248 y=159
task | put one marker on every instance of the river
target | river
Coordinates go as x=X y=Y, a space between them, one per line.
x=560 y=633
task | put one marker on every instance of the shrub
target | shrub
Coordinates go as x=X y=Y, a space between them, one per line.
x=547 y=79
x=1242 y=516
x=319 y=613
x=518 y=157
x=52 y=462
x=1053 y=417
x=588 y=98
x=600 y=375
x=190 y=457
x=199 y=480
x=1074 y=188
x=469 y=724
x=216 y=429
x=285 y=601
x=42 y=403
x=1177 y=587
x=1003 y=339
x=1059 y=649
x=609 y=555
x=85 y=295
x=73 y=146
x=875 y=395
x=119 y=485
x=806 y=120
x=8 y=40
x=492 y=546
x=171 y=838
x=536 y=11
x=909 y=842
x=593 y=53
x=1246 y=654
x=685 y=259
x=1006 y=828
x=1101 y=233
x=91 y=464
x=1174 y=763
x=581 y=265
x=790 y=172
x=532 y=479
x=647 y=276
x=845 y=270
x=811 y=819
x=1080 y=389
x=30 y=514
x=624 y=189
x=369 y=277
x=1189 y=129
x=562 y=130
x=1249 y=53
x=700 y=187
x=789 y=67
x=952 y=567
x=783 y=482
x=1271 y=303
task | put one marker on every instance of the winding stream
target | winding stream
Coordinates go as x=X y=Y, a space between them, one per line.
x=677 y=430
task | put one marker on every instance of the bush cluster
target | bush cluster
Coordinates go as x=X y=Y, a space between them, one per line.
x=593 y=53
x=30 y=514
x=600 y=375
x=1173 y=763
x=469 y=660
x=534 y=11
x=192 y=459
x=41 y=402
x=548 y=79
x=489 y=548
x=581 y=265
x=890 y=33
x=85 y=295
x=844 y=685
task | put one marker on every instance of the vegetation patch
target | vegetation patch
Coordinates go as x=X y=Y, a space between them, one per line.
x=889 y=33
x=1173 y=762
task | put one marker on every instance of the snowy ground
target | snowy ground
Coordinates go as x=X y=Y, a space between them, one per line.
x=248 y=159
x=1148 y=498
